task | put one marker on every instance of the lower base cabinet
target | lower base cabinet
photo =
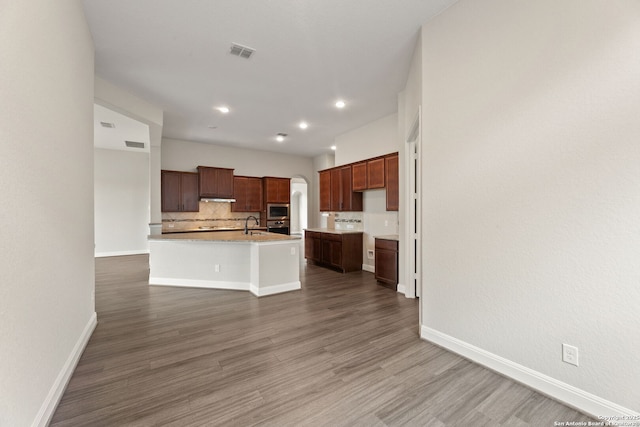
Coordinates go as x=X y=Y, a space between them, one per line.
x=387 y=262
x=341 y=251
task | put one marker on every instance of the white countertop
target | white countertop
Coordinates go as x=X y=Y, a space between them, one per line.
x=224 y=236
x=388 y=237
x=334 y=231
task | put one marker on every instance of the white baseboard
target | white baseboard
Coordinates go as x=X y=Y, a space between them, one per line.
x=369 y=268
x=191 y=283
x=401 y=289
x=121 y=253
x=563 y=392
x=276 y=289
x=60 y=384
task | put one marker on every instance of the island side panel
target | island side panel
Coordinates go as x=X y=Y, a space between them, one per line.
x=193 y=264
x=275 y=267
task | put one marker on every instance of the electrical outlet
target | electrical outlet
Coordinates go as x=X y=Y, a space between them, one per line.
x=350 y=226
x=171 y=225
x=386 y=223
x=293 y=250
x=570 y=354
x=217 y=268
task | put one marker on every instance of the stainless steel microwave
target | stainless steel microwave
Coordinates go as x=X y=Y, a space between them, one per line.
x=277 y=211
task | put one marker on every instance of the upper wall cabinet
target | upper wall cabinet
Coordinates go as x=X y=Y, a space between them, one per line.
x=392 y=182
x=325 y=190
x=375 y=173
x=215 y=182
x=359 y=176
x=336 y=191
x=341 y=187
x=368 y=175
x=276 y=190
x=179 y=191
x=247 y=191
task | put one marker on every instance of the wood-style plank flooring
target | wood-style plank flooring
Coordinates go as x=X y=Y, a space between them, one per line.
x=342 y=351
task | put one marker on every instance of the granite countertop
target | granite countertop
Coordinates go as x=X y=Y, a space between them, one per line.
x=333 y=231
x=213 y=228
x=225 y=236
x=388 y=237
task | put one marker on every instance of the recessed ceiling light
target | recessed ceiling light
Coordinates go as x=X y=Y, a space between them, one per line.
x=223 y=110
x=303 y=125
x=340 y=104
x=333 y=147
x=281 y=136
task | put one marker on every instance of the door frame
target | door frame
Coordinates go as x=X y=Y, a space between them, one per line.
x=413 y=211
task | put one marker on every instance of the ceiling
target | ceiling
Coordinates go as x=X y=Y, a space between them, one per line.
x=308 y=54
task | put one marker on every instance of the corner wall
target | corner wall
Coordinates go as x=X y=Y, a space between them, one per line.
x=531 y=191
x=121 y=202
x=46 y=168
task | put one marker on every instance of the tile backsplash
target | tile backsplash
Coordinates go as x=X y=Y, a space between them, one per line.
x=211 y=214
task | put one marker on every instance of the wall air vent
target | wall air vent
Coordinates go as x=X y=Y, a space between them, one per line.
x=107 y=125
x=134 y=144
x=241 y=51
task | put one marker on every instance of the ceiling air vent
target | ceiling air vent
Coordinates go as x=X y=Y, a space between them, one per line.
x=134 y=144
x=241 y=51
x=107 y=125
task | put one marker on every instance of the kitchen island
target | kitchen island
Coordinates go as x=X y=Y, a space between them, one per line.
x=260 y=262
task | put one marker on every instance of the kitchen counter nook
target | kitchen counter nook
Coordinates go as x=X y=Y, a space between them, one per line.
x=260 y=262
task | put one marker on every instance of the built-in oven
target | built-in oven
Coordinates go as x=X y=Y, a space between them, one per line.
x=277 y=212
x=280 y=227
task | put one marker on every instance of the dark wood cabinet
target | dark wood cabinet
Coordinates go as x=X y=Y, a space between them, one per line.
x=392 y=182
x=247 y=191
x=325 y=190
x=179 y=191
x=386 y=253
x=336 y=191
x=368 y=175
x=215 y=182
x=313 y=245
x=276 y=190
x=341 y=251
x=359 y=176
x=375 y=173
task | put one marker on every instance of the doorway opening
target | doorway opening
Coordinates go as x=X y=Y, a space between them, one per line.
x=299 y=205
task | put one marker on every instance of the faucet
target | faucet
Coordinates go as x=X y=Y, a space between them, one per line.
x=246 y=229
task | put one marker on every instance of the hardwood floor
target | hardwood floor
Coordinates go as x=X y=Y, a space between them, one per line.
x=342 y=351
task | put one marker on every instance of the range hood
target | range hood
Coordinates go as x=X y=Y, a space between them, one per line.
x=216 y=199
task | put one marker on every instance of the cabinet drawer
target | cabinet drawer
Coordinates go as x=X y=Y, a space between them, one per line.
x=391 y=245
x=312 y=234
x=332 y=237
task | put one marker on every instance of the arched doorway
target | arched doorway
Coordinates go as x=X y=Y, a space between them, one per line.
x=299 y=209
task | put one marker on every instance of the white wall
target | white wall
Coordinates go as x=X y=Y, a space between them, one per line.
x=376 y=221
x=531 y=186
x=121 y=202
x=46 y=169
x=117 y=99
x=373 y=139
x=188 y=155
